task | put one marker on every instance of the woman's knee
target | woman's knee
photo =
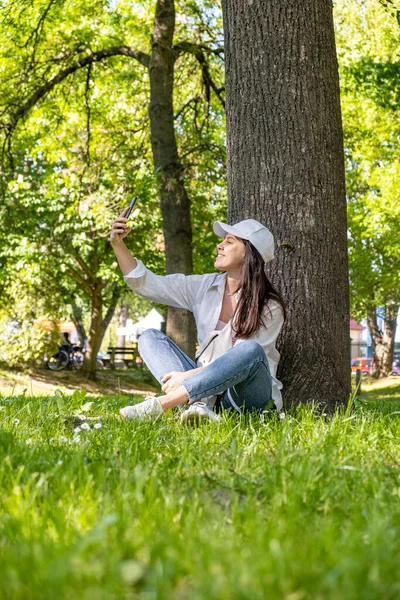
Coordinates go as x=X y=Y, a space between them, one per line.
x=148 y=337
x=252 y=348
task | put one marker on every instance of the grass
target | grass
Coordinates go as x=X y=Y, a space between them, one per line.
x=302 y=508
x=43 y=382
x=381 y=391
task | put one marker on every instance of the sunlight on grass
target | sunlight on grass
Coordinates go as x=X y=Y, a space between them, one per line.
x=301 y=508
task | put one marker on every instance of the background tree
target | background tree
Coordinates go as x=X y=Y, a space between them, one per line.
x=369 y=57
x=286 y=168
x=104 y=135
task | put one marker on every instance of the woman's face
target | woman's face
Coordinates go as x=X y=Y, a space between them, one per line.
x=231 y=253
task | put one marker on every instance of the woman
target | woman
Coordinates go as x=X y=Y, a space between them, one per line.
x=244 y=377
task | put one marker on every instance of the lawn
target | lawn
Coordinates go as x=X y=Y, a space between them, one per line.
x=305 y=507
x=43 y=382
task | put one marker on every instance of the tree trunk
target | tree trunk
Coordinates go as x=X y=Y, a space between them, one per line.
x=98 y=325
x=94 y=337
x=383 y=341
x=116 y=291
x=122 y=319
x=175 y=203
x=286 y=169
x=78 y=322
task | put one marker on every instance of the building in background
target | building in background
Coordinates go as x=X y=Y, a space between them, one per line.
x=358 y=346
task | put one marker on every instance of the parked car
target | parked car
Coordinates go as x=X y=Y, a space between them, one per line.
x=364 y=364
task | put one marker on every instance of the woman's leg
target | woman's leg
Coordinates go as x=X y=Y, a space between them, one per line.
x=242 y=375
x=162 y=355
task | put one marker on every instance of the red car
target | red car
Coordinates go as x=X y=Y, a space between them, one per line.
x=364 y=364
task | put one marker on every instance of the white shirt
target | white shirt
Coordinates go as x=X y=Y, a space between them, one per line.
x=202 y=295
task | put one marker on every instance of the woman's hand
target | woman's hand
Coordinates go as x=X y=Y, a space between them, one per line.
x=119 y=228
x=173 y=380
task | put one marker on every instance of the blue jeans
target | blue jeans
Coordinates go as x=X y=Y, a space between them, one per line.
x=241 y=377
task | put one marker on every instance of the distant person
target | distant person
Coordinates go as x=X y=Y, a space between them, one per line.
x=66 y=343
x=238 y=307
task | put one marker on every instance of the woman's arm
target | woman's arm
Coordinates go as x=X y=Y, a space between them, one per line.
x=125 y=259
x=119 y=231
x=178 y=290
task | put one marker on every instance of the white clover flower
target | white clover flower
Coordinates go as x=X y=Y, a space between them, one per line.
x=63 y=439
x=97 y=426
x=82 y=417
x=282 y=416
x=51 y=440
x=28 y=441
x=85 y=426
x=59 y=463
x=77 y=429
x=16 y=422
x=76 y=439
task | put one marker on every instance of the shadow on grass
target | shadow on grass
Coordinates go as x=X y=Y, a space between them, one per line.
x=107 y=382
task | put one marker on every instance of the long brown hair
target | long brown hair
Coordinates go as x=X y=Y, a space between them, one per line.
x=256 y=291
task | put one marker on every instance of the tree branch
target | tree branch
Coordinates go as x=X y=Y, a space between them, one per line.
x=186 y=105
x=83 y=265
x=88 y=114
x=85 y=285
x=82 y=62
x=191 y=48
x=202 y=147
x=37 y=32
x=198 y=50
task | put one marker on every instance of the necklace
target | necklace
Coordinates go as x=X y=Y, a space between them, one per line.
x=228 y=294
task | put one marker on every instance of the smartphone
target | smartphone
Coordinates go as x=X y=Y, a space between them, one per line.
x=132 y=204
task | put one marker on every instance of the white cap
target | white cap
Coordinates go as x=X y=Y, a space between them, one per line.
x=253 y=231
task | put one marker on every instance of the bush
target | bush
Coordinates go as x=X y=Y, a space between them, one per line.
x=24 y=344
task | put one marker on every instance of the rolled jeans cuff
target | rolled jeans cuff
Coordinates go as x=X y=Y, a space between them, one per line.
x=192 y=397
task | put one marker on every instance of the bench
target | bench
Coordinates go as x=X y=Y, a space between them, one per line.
x=129 y=356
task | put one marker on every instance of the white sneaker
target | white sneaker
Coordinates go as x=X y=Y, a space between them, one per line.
x=210 y=401
x=149 y=410
x=198 y=412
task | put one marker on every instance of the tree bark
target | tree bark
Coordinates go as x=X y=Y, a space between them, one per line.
x=383 y=341
x=94 y=337
x=286 y=169
x=122 y=319
x=175 y=202
x=98 y=325
x=78 y=322
x=116 y=291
